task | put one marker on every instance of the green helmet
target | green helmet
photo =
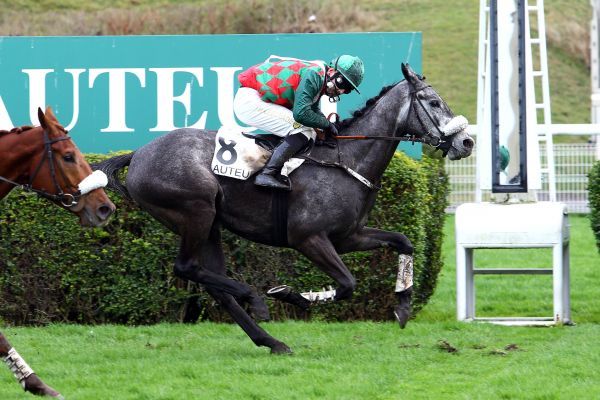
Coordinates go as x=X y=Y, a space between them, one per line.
x=351 y=68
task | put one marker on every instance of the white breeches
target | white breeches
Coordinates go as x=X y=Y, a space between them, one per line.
x=269 y=117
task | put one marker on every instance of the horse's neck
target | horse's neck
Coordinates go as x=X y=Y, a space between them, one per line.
x=371 y=157
x=17 y=152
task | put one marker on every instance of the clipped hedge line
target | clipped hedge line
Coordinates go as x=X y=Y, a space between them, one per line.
x=53 y=270
x=594 y=199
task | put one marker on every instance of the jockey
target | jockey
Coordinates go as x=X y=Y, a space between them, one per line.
x=281 y=96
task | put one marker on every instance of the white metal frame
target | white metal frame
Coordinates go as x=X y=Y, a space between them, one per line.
x=534 y=225
x=542 y=130
x=545 y=129
x=534 y=134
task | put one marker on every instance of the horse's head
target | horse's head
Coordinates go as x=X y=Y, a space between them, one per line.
x=430 y=119
x=60 y=172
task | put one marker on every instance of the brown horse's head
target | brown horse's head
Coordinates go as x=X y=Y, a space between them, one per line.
x=61 y=171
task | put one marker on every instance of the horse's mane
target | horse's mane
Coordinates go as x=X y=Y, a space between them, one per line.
x=17 y=130
x=370 y=103
x=25 y=128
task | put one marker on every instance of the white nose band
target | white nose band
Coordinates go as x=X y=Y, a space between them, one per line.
x=94 y=181
x=455 y=125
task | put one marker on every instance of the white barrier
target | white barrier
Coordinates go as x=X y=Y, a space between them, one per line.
x=500 y=226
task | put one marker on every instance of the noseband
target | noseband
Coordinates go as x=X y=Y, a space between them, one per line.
x=66 y=199
x=442 y=142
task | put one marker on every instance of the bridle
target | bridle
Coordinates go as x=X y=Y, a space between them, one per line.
x=66 y=199
x=443 y=142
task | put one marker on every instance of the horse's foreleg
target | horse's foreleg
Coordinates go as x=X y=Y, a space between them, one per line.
x=258 y=335
x=212 y=259
x=225 y=290
x=370 y=239
x=202 y=261
x=321 y=252
x=22 y=372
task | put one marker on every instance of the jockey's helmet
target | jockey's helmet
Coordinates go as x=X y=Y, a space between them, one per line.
x=351 y=68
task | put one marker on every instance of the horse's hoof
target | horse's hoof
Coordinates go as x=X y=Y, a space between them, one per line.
x=402 y=316
x=35 y=385
x=281 y=348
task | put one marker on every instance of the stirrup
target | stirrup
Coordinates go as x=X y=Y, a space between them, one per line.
x=270 y=181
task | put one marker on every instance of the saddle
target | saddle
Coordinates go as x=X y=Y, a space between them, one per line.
x=267 y=141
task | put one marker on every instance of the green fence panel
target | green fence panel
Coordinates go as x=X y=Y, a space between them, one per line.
x=120 y=92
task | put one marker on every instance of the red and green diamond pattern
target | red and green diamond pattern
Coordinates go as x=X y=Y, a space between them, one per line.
x=276 y=82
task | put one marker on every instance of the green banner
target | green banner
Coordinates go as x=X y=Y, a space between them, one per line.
x=120 y=92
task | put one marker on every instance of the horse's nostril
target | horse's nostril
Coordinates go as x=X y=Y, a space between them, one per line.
x=468 y=143
x=104 y=211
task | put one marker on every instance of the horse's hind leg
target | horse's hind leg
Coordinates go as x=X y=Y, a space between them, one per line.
x=26 y=377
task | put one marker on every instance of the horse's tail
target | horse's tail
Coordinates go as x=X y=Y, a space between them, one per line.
x=112 y=168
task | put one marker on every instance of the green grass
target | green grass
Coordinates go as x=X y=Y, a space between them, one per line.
x=343 y=361
x=357 y=360
x=332 y=361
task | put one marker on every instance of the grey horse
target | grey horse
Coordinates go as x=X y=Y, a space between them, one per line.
x=325 y=214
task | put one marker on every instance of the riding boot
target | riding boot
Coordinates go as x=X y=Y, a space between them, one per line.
x=270 y=174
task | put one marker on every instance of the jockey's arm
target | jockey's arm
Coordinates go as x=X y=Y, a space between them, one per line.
x=306 y=103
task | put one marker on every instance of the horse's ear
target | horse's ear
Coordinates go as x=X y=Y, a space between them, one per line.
x=404 y=69
x=409 y=74
x=50 y=114
x=42 y=118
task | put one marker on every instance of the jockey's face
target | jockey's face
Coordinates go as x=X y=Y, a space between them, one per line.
x=332 y=87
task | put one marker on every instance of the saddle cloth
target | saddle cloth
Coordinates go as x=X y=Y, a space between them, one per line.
x=239 y=157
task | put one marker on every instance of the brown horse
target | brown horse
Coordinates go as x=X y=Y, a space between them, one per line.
x=45 y=160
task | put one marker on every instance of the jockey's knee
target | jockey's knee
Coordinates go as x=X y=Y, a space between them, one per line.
x=307 y=132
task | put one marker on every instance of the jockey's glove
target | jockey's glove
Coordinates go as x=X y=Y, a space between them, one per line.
x=331 y=130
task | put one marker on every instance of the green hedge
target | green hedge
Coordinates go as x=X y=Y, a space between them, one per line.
x=53 y=270
x=594 y=199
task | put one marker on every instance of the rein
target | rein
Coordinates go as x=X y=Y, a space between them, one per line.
x=66 y=199
x=388 y=138
x=434 y=141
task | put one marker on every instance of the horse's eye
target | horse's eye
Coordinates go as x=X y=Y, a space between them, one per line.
x=434 y=103
x=69 y=157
